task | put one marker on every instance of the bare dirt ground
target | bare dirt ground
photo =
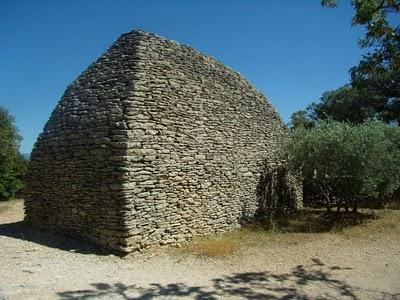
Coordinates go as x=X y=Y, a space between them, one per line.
x=40 y=265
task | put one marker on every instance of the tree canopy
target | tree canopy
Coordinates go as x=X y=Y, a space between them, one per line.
x=374 y=88
x=12 y=164
x=301 y=119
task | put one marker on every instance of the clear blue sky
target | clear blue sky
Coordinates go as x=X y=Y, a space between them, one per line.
x=290 y=50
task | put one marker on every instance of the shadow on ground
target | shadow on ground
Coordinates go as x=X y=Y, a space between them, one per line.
x=317 y=221
x=24 y=231
x=315 y=281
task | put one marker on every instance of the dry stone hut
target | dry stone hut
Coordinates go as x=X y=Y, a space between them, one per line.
x=154 y=143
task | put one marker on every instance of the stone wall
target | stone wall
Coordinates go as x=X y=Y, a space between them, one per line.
x=154 y=143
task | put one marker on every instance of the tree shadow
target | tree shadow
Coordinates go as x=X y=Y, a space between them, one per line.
x=296 y=284
x=317 y=220
x=24 y=231
x=310 y=220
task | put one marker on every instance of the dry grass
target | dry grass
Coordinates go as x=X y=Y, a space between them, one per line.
x=300 y=228
x=218 y=247
x=233 y=242
x=215 y=246
x=318 y=221
x=365 y=222
x=387 y=221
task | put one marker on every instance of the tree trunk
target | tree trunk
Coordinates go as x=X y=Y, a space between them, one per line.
x=346 y=204
x=355 y=206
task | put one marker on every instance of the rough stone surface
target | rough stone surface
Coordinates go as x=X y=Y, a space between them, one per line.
x=154 y=143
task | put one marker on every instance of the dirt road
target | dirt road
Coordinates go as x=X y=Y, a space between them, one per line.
x=39 y=265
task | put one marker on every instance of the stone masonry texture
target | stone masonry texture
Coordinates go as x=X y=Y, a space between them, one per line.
x=153 y=144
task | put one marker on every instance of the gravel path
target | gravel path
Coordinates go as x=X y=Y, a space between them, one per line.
x=38 y=265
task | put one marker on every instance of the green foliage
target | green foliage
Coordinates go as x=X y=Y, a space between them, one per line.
x=12 y=164
x=346 y=162
x=375 y=81
x=347 y=105
x=301 y=119
x=339 y=105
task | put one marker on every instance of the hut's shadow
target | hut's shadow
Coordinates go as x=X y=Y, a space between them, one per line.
x=24 y=231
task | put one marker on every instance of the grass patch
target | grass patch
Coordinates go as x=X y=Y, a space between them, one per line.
x=300 y=227
x=317 y=221
x=386 y=221
x=215 y=246
x=227 y=244
x=218 y=247
x=366 y=221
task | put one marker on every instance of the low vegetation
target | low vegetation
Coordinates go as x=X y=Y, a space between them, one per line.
x=218 y=246
x=386 y=222
x=300 y=227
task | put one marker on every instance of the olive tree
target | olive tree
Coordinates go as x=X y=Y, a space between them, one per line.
x=346 y=162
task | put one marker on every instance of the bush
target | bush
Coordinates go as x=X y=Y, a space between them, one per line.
x=346 y=163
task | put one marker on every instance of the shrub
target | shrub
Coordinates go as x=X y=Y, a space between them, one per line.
x=344 y=162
